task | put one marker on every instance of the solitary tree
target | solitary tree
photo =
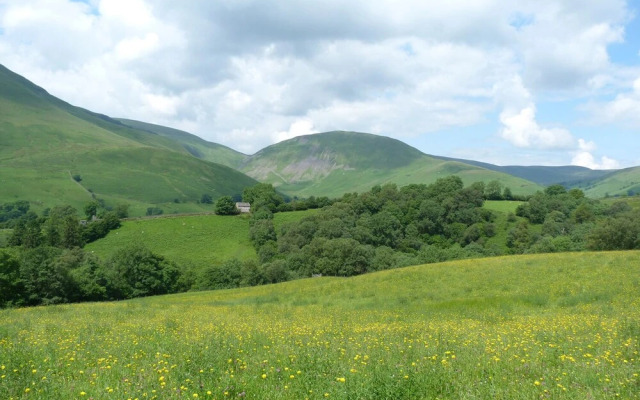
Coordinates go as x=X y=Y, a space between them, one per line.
x=226 y=206
x=206 y=199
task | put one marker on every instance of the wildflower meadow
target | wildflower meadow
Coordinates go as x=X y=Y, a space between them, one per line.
x=562 y=326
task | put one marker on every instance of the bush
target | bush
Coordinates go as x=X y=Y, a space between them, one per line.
x=154 y=211
x=226 y=206
x=206 y=199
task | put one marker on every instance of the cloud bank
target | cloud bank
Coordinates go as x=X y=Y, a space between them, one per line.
x=249 y=73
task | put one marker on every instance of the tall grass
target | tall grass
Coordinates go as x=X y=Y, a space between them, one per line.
x=564 y=326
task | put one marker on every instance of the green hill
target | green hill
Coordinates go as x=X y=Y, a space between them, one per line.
x=568 y=175
x=196 y=146
x=45 y=142
x=624 y=182
x=334 y=163
x=561 y=326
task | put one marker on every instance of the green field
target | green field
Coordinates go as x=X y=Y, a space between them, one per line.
x=561 y=326
x=199 y=240
x=504 y=206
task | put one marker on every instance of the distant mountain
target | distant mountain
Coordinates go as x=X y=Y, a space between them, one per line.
x=195 y=145
x=46 y=141
x=334 y=163
x=569 y=175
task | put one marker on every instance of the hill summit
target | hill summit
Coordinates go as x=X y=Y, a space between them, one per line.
x=337 y=162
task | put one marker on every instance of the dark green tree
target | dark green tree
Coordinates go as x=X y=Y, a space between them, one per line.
x=206 y=199
x=11 y=286
x=262 y=195
x=262 y=231
x=493 y=190
x=618 y=233
x=134 y=271
x=91 y=209
x=46 y=280
x=122 y=211
x=226 y=206
x=506 y=194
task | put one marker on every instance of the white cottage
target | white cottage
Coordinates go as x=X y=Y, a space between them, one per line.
x=243 y=207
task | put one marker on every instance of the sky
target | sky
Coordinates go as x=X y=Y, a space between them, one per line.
x=540 y=82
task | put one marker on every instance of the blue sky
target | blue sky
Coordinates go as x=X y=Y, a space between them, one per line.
x=544 y=82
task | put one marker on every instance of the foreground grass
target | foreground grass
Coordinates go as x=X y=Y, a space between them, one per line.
x=561 y=326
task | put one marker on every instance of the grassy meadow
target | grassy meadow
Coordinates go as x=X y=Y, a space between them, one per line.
x=503 y=206
x=560 y=326
x=199 y=240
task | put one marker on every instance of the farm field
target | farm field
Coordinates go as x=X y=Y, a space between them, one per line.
x=199 y=240
x=560 y=326
x=505 y=206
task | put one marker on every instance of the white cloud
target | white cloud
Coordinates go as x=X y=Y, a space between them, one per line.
x=265 y=70
x=134 y=13
x=522 y=130
x=297 y=128
x=586 y=159
x=136 y=47
x=623 y=110
x=518 y=119
x=583 y=145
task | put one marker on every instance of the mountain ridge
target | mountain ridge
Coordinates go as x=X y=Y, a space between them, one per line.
x=46 y=141
x=337 y=162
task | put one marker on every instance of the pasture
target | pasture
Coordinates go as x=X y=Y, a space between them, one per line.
x=199 y=240
x=560 y=326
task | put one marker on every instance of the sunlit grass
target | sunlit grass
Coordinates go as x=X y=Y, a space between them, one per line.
x=504 y=206
x=563 y=326
x=199 y=240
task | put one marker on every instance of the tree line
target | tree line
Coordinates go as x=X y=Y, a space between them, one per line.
x=390 y=227
x=47 y=265
x=386 y=227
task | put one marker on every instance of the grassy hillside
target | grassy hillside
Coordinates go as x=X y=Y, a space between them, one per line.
x=620 y=183
x=563 y=326
x=595 y=183
x=199 y=240
x=568 y=175
x=334 y=163
x=46 y=141
x=196 y=146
